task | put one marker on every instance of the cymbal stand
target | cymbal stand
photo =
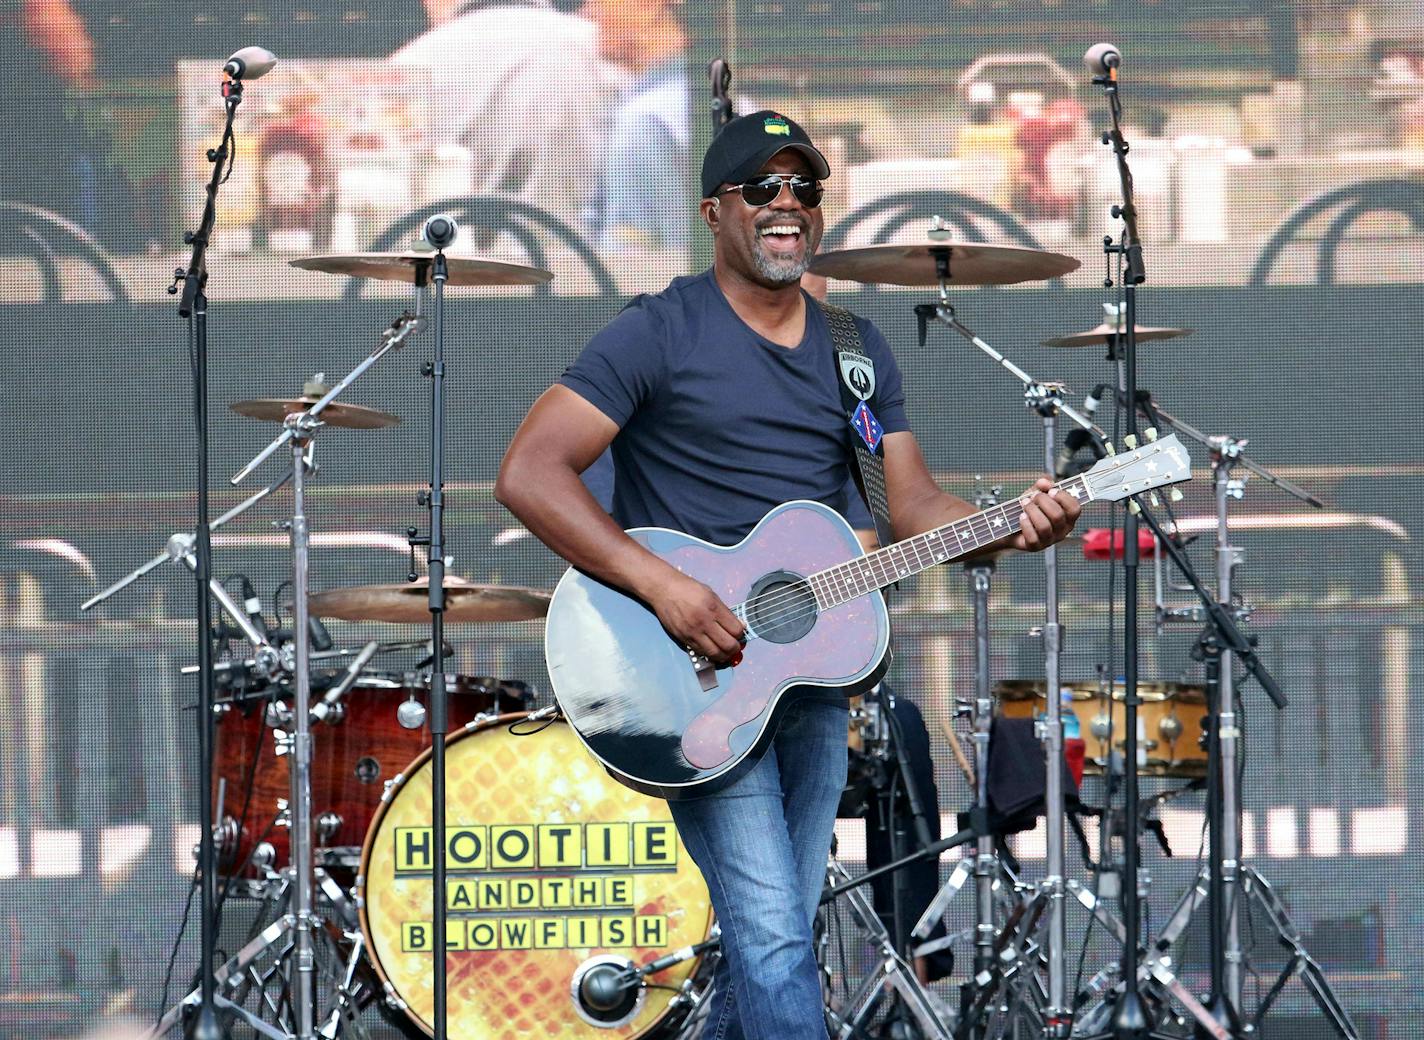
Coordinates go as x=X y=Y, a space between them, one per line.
x=1225 y=879
x=1047 y=399
x=983 y=866
x=433 y=497
x=298 y=431
x=266 y=659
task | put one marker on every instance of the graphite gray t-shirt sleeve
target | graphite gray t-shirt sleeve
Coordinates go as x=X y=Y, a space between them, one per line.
x=622 y=366
x=889 y=390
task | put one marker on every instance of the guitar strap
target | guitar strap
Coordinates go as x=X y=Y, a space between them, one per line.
x=855 y=373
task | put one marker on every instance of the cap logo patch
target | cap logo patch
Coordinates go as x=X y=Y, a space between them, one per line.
x=777 y=125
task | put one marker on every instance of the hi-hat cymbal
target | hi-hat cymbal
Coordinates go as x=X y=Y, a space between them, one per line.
x=348 y=416
x=970 y=263
x=1104 y=332
x=402 y=267
x=409 y=603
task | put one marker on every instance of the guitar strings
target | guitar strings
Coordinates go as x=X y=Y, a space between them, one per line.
x=795 y=593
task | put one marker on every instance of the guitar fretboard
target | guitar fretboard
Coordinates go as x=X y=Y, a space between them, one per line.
x=884 y=567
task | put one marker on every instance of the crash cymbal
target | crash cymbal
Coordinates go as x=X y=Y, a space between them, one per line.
x=349 y=416
x=409 y=603
x=1105 y=332
x=970 y=263
x=401 y=267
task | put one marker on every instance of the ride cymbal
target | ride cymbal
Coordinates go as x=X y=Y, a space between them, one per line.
x=409 y=602
x=348 y=416
x=1105 y=332
x=969 y=263
x=402 y=267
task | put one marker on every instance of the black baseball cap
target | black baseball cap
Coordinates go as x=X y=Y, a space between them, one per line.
x=747 y=142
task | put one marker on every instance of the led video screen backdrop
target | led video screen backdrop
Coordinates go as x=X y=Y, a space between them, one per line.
x=1276 y=148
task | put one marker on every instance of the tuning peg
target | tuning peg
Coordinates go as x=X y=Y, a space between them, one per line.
x=1130 y=440
x=1108 y=447
x=1133 y=508
x=1152 y=497
x=1150 y=433
x=1175 y=494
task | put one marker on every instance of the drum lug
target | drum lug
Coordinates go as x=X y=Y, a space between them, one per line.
x=391 y=785
x=278 y=715
x=393 y=999
x=328 y=825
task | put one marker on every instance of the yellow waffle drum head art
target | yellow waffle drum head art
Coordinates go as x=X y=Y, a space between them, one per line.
x=550 y=864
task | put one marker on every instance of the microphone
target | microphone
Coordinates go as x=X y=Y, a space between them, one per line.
x=440 y=230
x=1091 y=402
x=606 y=990
x=1101 y=57
x=252 y=605
x=1078 y=439
x=250 y=63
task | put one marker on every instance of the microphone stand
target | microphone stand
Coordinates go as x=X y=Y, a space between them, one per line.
x=193 y=308
x=1130 y=1020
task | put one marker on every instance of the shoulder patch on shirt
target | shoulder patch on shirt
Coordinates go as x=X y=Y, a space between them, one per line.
x=858 y=373
x=867 y=426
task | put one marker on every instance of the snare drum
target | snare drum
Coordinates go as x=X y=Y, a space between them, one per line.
x=1170 y=722
x=353 y=755
x=551 y=864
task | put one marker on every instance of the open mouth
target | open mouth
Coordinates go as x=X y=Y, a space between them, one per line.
x=781 y=238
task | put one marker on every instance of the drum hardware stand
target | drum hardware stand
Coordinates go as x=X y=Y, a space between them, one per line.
x=298 y=432
x=1154 y=968
x=241 y=971
x=983 y=866
x=1225 y=878
x=439 y=232
x=179 y=549
x=1047 y=399
x=892 y=971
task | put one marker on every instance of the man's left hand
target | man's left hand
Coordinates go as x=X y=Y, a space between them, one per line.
x=1048 y=516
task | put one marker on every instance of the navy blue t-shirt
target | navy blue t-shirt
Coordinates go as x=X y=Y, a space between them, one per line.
x=718 y=425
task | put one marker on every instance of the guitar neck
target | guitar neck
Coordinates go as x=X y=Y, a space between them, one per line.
x=884 y=567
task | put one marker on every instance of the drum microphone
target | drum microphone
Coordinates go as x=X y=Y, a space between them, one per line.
x=440 y=230
x=250 y=63
x=1079 y=438
x=1101 y=58
x=606 y=989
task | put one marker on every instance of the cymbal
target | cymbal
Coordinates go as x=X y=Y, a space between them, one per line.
x=401 y=267
x=970 y=263
x=1105 y=332
x=1023 y=689
x=409 y=602
x=349 y=416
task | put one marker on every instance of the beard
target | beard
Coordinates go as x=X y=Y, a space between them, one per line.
x=784 y=270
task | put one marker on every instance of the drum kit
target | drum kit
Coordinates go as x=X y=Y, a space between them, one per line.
x=1110 y=729
x=566 y=892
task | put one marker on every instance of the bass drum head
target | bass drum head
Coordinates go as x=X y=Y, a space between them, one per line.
x=550 y=864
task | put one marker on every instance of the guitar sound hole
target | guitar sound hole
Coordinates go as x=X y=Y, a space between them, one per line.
x=781 y=607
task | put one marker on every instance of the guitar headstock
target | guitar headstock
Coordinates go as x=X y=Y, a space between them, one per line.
x=1139 y=468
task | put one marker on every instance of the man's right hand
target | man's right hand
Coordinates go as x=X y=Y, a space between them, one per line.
x=697 y=619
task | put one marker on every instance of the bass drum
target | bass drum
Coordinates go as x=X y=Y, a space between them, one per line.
x=552 y=867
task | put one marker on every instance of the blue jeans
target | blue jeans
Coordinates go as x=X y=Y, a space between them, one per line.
x=762 y=845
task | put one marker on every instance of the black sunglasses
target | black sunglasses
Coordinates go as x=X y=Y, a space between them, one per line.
x=763 y=190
